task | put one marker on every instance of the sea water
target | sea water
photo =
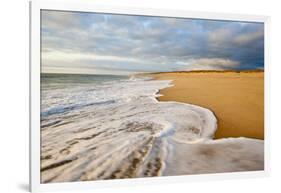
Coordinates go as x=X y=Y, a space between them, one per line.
x=97 y=127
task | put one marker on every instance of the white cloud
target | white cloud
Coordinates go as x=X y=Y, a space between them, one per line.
x=54 y=61
x=78 y=56
x=211 y=64
x=244 y=39
x=59 y=19
x=220 y=36
x=77 y=70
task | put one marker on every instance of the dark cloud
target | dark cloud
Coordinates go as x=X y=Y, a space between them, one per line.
x=142 y=43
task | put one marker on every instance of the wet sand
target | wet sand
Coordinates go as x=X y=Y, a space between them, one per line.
x=236 y=98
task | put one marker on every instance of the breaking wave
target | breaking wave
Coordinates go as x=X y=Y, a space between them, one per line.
x=118 y=129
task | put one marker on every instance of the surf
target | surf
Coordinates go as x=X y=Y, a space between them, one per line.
x=118 y=129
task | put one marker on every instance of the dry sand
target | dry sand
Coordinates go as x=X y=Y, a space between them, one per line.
x=236 y=98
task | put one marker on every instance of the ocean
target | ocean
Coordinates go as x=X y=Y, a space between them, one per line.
x=96 y=127
x=64 y=92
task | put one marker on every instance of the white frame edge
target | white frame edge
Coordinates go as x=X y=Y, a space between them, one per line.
x=36 y=6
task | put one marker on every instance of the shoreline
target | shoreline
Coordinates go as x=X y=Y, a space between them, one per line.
x=235 y=97
x=135 y=135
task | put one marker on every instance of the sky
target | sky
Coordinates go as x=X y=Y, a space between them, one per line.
x=97 y=43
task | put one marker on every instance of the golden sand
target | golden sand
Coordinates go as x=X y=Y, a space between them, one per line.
x=236 y=98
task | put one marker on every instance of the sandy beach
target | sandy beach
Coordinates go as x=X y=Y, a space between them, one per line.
x=135 y=96
x=236 y=98
x=113 y=127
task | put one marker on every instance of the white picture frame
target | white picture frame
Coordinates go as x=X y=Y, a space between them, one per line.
x=36 y=6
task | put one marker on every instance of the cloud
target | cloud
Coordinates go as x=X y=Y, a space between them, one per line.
x=212 y=64
x=245 y=39
x=60 y=20
x=142 y=43
x=74 y=56
x=220 y=36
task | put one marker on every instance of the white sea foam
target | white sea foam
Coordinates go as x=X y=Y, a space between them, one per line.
x=118 y=129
